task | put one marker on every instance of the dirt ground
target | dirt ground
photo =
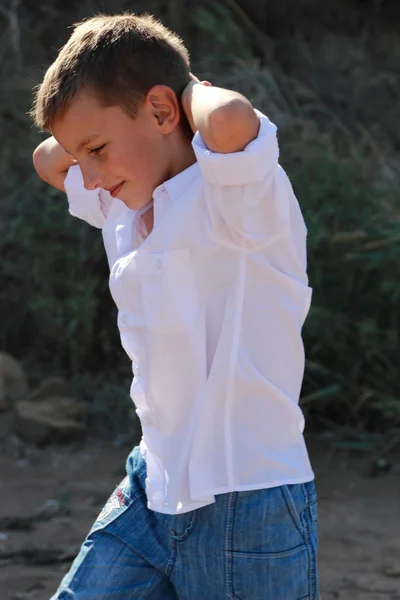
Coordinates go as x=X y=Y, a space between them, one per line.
x=59 y=491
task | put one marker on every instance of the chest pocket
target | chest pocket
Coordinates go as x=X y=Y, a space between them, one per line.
x=155 y=290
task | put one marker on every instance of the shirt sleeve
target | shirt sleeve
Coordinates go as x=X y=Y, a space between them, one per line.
x=90 y=205
x=255 y=163
x=247 y=195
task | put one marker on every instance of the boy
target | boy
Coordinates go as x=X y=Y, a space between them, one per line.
x=206 y=246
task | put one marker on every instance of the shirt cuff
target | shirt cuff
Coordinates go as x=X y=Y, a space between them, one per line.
x=90 y=205
x=252 y=164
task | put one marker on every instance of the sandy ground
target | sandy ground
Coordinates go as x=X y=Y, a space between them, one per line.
x=359 y=518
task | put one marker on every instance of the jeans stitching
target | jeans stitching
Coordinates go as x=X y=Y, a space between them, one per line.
x=303 y=526
x=310 y=496
x=270 y=555
x=297 y=519
x=189 y=529
x=172 y=558
x=102 y=525
x=311 y=510
x=312 y=560
x=231 y=505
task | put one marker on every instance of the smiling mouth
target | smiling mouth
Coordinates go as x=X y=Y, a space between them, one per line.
x=115 y=190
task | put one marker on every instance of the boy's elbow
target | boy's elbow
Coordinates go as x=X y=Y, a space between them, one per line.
x=38 y=158
x=47 y=168
x=233 y=126
x=41 y=163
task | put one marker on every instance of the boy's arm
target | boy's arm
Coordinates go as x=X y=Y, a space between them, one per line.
x=51 y=163
x=225 y=119
x=61 y=171
x=247 y=195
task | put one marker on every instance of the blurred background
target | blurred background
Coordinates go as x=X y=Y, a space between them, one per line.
x=328 y=74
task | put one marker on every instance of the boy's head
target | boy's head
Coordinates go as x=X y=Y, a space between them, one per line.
x=118 y=81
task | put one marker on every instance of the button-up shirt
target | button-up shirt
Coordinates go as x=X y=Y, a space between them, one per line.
x=211 y=307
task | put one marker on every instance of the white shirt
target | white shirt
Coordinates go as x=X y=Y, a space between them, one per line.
x=211 y=306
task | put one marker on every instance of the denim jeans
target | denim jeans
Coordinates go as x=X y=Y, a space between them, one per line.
x=251 y=545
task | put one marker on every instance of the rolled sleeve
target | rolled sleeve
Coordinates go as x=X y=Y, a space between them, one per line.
x=90 y=205
x=245 y=192
x=255 y=163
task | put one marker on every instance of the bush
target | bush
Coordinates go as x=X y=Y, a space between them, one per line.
x=339 y=151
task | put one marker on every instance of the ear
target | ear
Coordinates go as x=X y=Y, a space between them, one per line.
x=163 y=105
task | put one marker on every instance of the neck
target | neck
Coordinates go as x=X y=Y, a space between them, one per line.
x=183 y=157
x=182 y=154
x=148 y=220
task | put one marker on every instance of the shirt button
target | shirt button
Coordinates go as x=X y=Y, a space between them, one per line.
x=124 y=319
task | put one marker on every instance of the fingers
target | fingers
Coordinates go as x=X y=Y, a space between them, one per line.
x=197 y=80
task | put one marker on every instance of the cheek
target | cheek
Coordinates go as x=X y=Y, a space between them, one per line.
x=144 y=163
x=119 y=165
x=157 y=161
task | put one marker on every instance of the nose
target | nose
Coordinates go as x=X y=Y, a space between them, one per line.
x=91 y=177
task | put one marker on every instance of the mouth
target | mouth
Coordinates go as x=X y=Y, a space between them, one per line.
x=116 y=189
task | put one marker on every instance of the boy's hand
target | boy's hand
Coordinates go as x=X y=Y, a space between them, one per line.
x=51 y=163
x=186 y=99
x=225 y=119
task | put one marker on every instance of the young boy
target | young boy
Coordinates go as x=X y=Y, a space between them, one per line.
x=206 y=246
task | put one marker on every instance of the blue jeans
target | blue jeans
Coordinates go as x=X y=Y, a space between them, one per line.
x=251 y=545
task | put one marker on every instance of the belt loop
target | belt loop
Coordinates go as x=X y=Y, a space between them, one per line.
x=314 y=511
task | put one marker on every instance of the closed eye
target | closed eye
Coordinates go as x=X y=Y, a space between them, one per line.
x=97 y=150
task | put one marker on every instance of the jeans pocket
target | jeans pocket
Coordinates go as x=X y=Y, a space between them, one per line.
x=272 y=552
x=266 y=522
x=280 y=576
x=302 y=504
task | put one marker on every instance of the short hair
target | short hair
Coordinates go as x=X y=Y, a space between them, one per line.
x=119 y=58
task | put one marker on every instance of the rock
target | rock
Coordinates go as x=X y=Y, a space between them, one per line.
x=13 y=384
x=392 y=569
x=48 y=510
x=34 y=555
x=27 y=595
x=16 y=523
x=52 y=508
x=379 y=467
x=50 y=387
x=13 y=447
x=55 y=419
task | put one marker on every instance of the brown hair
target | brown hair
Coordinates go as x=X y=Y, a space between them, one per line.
x=117 y=57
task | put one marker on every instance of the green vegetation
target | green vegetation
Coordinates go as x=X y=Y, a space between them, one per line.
x=331 y=84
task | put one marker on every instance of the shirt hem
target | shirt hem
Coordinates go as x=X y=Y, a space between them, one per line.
x=225 y=490
x=258 y=486
x=186 y=508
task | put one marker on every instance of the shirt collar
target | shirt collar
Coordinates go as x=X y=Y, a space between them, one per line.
x=163 y=197
x=176 y=186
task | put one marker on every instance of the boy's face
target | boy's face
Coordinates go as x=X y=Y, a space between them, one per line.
x=128 y=157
